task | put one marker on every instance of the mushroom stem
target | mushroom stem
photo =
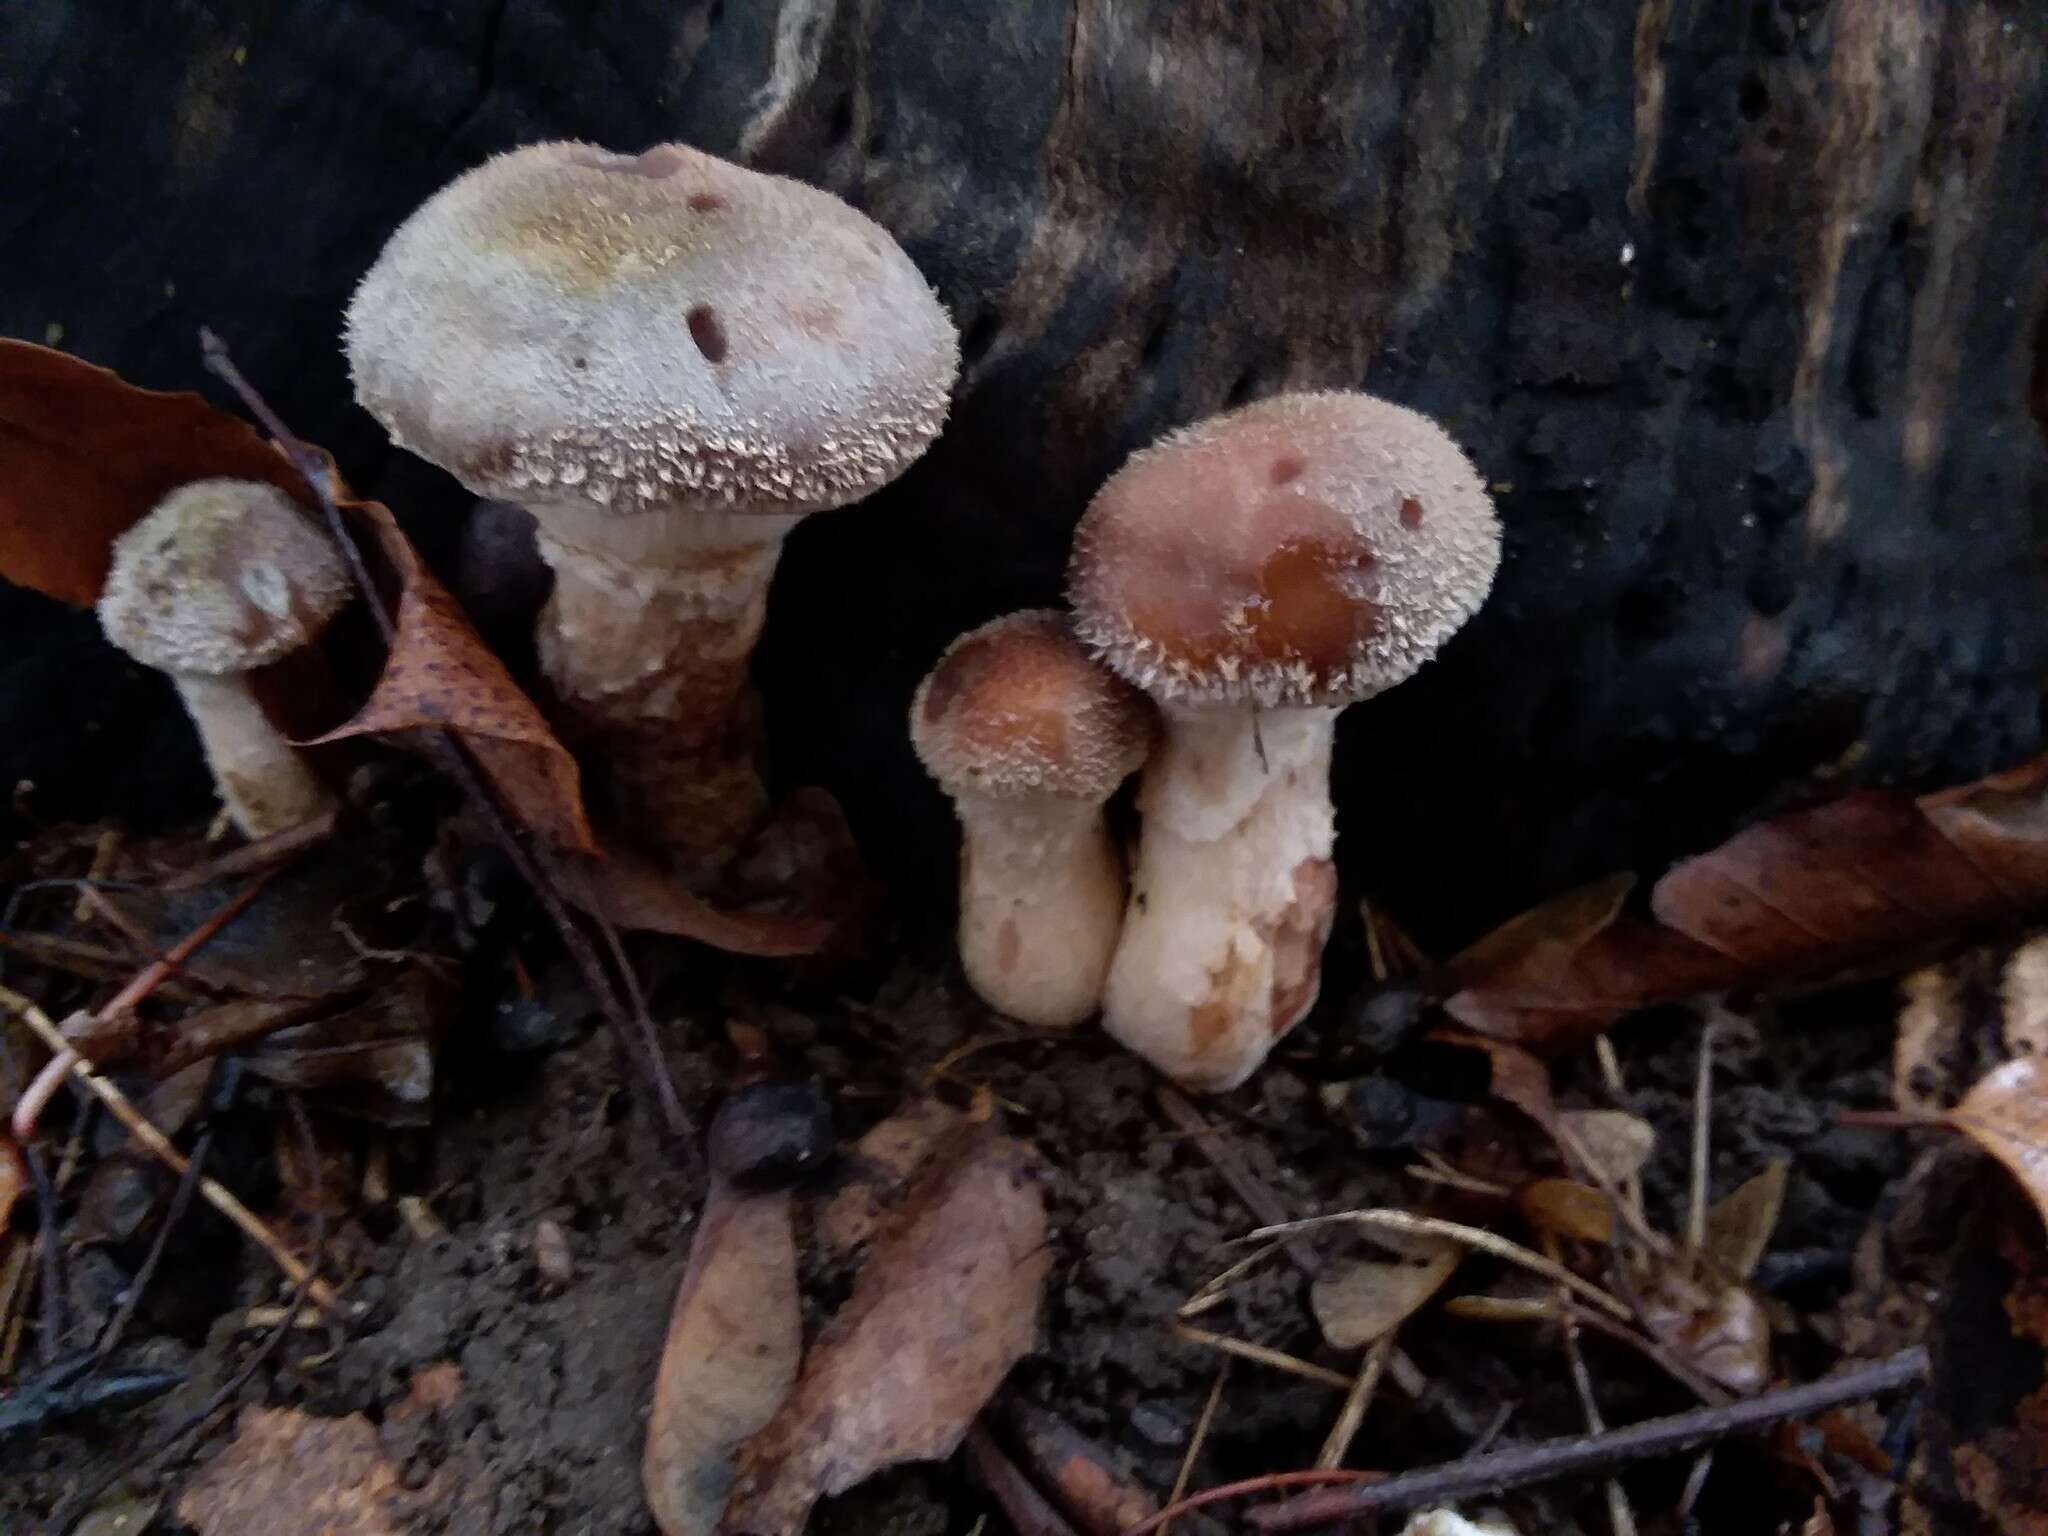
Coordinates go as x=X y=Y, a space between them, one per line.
x=1233 y=893
x=646 y=641
x=261 y=776
x=1041 y=898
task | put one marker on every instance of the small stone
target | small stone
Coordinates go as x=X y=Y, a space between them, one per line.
x=1160 y=1424
x=551 y=1253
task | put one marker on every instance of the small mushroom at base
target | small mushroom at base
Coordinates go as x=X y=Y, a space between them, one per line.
x=1255 y=573
x=220 y=578
x=1029 y=737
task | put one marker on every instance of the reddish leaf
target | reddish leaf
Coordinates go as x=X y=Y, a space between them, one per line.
x=1863 y=880
x=441 y=676
x=84 y=454
x=1542 y=942
x=628 y=892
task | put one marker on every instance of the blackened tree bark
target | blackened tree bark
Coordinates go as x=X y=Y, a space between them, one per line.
x=1737 y=305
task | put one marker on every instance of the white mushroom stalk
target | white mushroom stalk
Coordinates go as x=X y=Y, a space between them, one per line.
x=1256 y=573
x=668 y=360
x=1029 y=737
x=221 y=578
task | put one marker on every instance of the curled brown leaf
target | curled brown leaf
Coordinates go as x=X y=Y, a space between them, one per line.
x=84 y=455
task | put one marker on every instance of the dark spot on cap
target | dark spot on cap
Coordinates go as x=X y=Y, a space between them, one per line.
x=1411 y=512
x=708 y=332
x=1287 y=467
x=706 y=202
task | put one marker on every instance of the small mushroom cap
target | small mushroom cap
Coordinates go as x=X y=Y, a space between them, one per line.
x=661 y=332
x=1309 y=549
x=221 y=576
x=1018 y=708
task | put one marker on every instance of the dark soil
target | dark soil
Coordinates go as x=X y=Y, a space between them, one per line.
x=537 y=1125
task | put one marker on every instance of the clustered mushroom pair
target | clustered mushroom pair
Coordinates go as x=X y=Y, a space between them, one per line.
x=669 y=360
x=666 y=359
x=1253 y=574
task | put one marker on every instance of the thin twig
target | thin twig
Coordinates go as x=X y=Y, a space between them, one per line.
x=1576 y=1455
x=67 y=1516
x=254 y=858
x=1259 y=1354
x=1266 y=1207
x=1702 y=1130
x=1029 y=1512
x=1268 y=1483
x=534 y=864
x=36 y=1098
x=1472 y=1237
x=181 y=1200
x=1356 y=1401
x=1695 y=1483
x=51 y=1324
x=1619 y=1515
x=1196 y=1441
x=138 y=1126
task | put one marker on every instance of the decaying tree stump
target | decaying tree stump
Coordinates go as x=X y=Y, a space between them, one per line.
x=1737 y=304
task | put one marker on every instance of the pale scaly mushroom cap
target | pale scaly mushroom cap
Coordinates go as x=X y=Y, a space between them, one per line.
x=1017 y=707
x=222 y=576
x=661 y=332
x=1309 y=549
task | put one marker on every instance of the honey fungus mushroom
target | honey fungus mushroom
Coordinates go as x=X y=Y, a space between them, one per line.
x=220 y=578
x=1029 y=737
x=1255 y=573
x=669 y=361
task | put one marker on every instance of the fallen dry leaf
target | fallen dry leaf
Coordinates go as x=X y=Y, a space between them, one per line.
x=331 y=1474
x=84 y=454
x=1518 y=1076
x=1358 y=1301
x=882 y=1162
x=440 y=675
x=1543 y=941
x=1720 y=1328
x=1616 y=1143
x=1567 y=1208
x=2007 y=1115
x=735 y=1339
x=629 y=892
x=1740 y=1225
x=946 y=1303
x=1862 y=881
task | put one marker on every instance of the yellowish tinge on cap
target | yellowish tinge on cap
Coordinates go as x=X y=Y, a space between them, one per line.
x=662 y=332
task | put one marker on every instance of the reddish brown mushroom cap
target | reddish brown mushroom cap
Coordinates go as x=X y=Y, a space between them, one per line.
x=1017 y=707
x=1309 y=549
